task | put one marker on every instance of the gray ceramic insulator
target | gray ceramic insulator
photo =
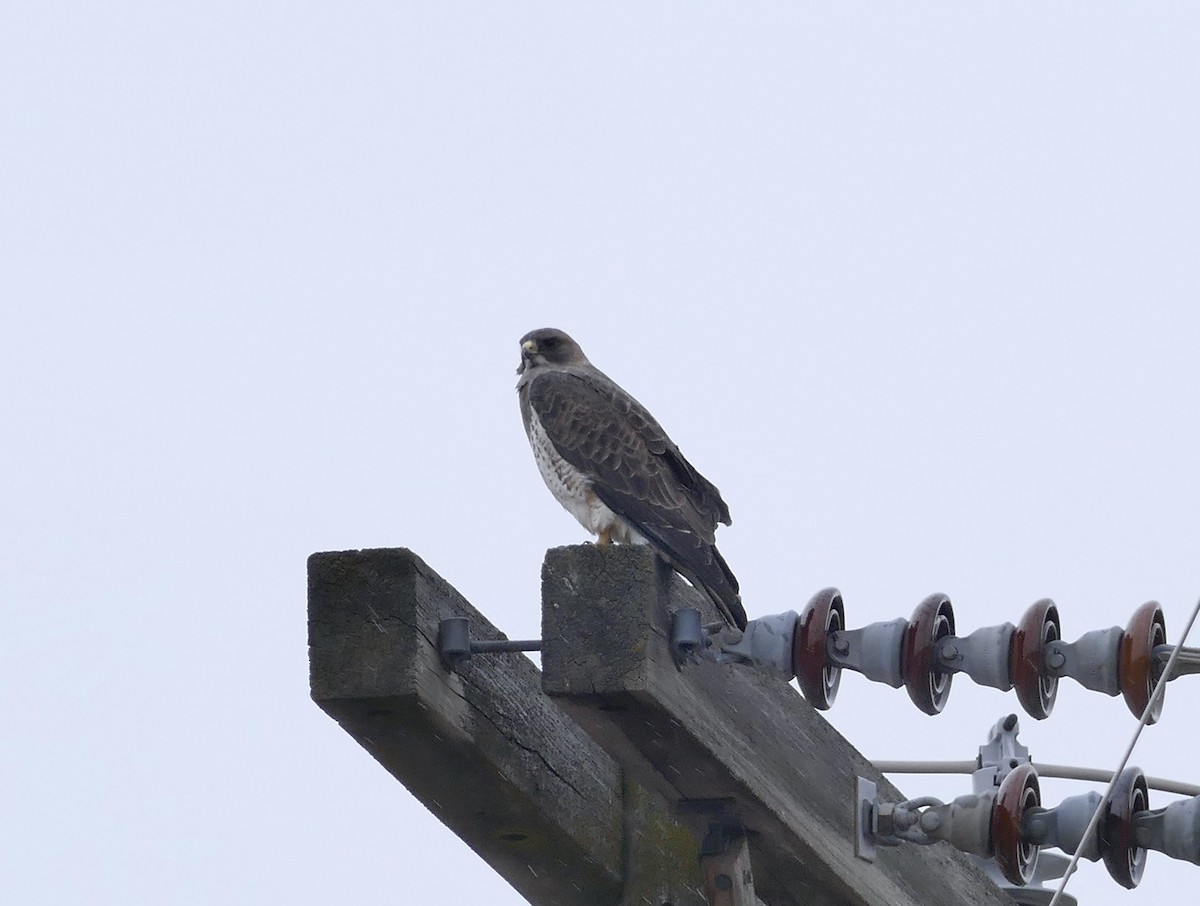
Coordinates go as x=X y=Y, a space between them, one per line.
x=1064 y=825
x=1092 y=661
x=766 y=643
x=873 y=651
x=982 y=655
x=1174 y=830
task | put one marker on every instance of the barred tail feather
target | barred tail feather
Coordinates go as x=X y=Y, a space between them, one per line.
x=701 y=564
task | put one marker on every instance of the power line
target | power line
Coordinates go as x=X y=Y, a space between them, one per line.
x=1159 y=686
x=1057 y=771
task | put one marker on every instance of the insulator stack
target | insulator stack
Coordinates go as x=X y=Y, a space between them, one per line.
x=923 y=653
x=1010 y=826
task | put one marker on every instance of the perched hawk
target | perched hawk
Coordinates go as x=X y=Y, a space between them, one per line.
x=615 y=470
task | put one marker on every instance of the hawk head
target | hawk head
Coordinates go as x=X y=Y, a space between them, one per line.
x=549 y=346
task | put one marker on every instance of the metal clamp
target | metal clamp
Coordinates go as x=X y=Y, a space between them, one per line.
x=1000 y=754
x=456 y=645
x=765 y=643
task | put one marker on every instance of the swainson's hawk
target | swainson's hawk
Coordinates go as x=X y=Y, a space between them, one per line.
x=613 y=467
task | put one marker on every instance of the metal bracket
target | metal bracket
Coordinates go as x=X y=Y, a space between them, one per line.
x=1000 y=754
x=456 y=645
x=765 y=643
x=864 y=819
x=687 y=635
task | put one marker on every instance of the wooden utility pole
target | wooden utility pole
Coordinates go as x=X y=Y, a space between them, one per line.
x=627 y=781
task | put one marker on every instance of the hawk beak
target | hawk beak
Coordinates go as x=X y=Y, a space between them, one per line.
x=528 y=351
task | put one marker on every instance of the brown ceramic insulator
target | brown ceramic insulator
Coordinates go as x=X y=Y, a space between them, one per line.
x=817 y=678
x=1019 y=792
x=1123 y=858
x=1146 y=629
x=1036 y=688
x=928 y=686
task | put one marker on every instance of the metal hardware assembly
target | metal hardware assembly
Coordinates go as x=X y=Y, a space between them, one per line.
x=456 y=645
x=1003 y=820
x=923 y=653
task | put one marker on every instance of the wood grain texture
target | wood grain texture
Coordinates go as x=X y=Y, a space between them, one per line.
x=483 y=749
x=722 y=733
x=487 y=752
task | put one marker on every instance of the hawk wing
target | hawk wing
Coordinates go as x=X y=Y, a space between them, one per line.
x=638 y=473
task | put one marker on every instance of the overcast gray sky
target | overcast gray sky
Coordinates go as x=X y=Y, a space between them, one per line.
x=914 y=284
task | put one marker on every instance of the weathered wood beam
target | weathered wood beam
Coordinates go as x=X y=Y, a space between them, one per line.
x=726 y=740
x=484 y=748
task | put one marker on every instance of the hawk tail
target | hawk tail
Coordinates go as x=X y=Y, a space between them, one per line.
x=722 y=586
x=701 y=564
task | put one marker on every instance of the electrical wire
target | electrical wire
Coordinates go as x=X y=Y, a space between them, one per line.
x=1057 y=771
x=1100 y=809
